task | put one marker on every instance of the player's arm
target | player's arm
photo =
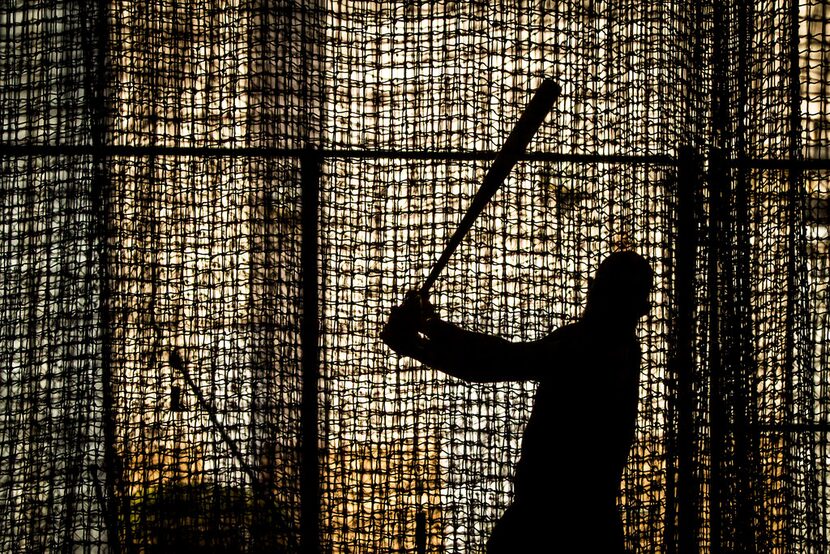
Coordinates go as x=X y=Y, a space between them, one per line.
x=413 y=330
x=482 y=358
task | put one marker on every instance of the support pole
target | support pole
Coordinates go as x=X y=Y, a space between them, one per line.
x=310 y=344
x=718 y=203
x=689 y=169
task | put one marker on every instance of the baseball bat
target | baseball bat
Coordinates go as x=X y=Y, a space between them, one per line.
x=514 y=147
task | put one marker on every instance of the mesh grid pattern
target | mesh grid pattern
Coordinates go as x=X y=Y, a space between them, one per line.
x=407 y=434
x=51 y=437
x=153 y=201
x=212 y=279
x=454 y=76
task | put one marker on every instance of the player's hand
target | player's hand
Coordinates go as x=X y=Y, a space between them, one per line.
x=404 y=329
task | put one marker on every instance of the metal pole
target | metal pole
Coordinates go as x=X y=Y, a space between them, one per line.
x=685 y=256
x=95 y=44
x=310 y=344
x=718 y=200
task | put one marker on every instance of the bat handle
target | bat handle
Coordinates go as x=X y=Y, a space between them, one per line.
x=430 y=280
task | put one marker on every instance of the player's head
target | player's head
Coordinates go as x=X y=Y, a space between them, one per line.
x=620 y=289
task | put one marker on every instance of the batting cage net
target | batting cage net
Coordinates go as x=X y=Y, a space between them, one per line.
x=209 y=209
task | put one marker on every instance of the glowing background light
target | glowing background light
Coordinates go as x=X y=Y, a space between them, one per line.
x=204 y=254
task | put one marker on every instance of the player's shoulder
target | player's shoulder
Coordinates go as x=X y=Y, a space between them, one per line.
x=572 y=334
x=562 y=349
x=569 y=330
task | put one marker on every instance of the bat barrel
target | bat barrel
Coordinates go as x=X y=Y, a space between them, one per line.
x=514 y=147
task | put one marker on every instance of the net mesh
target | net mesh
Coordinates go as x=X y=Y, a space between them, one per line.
x=206 y=381
x=155 y=200
x=431 y=444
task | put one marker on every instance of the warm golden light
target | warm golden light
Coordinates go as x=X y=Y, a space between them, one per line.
x=204 y=248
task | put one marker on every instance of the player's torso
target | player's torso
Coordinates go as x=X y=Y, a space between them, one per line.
x=582 y=424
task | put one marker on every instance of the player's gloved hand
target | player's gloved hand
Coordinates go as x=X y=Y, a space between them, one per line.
x=404 y=330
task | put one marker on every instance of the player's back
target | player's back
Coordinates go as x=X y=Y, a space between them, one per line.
x=576 y=442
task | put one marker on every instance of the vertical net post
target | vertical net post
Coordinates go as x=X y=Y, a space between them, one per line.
x=95 y=44
x=684 y=363
x=717 y=195
x=310 y=344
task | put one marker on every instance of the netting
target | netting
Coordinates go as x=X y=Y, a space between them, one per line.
x=205 y=356
x=435 y=446
x=190 y=341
